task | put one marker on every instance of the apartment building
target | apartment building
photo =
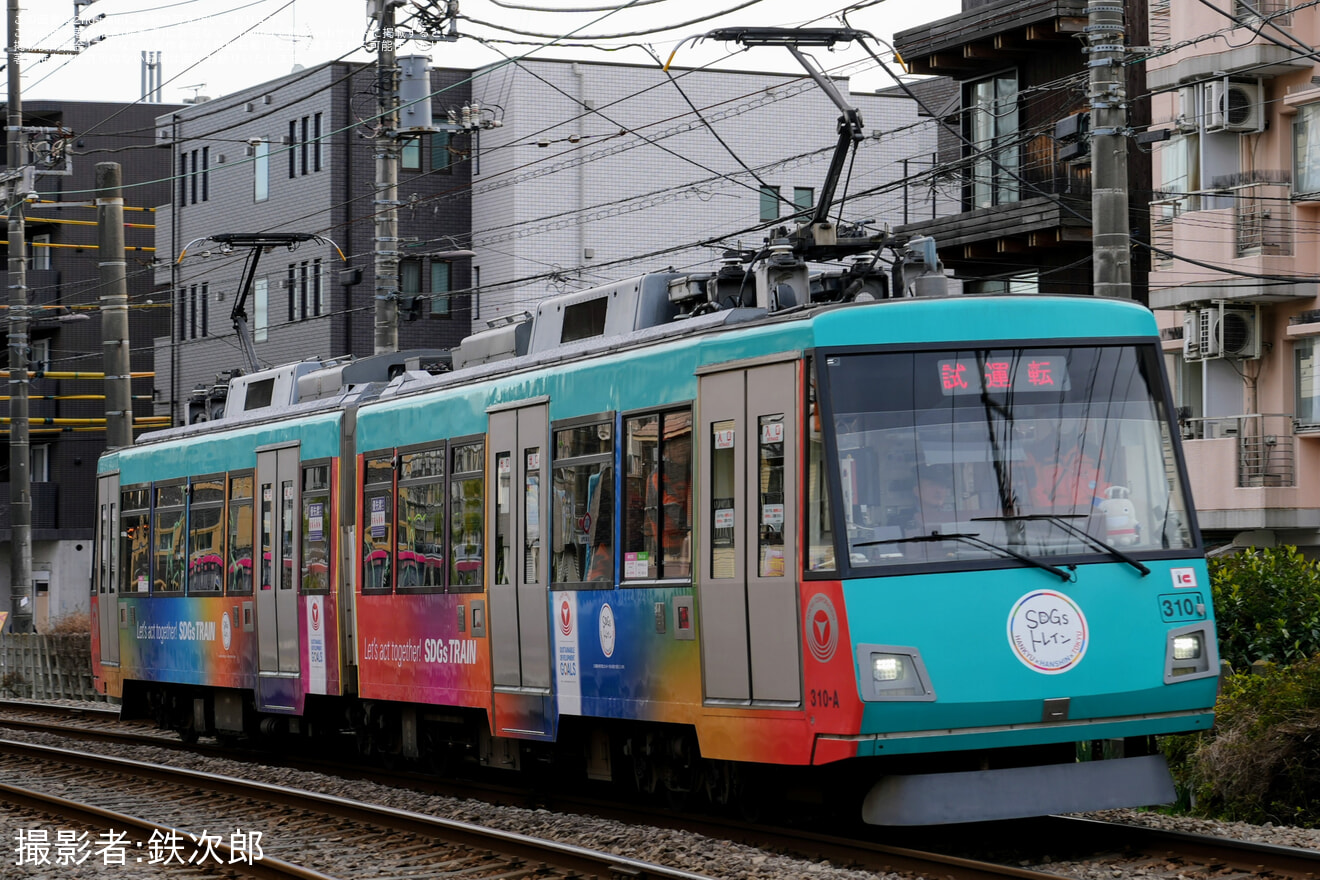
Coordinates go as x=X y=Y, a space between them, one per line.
x=1233 y=234
x=1014 y=157
x=63 y=278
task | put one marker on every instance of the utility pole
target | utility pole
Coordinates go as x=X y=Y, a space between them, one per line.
x=114 y=305
x=20 y=477
x=387 y=178
x=1110 y=225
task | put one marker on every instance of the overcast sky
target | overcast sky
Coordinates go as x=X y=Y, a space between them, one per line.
x=214 y=47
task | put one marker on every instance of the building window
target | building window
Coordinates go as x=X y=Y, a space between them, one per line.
x=293 y=148
x=316 y=149
x=804 y=197
x=260 y=309
x=291 y=285
x=40 y=361
x=993 y=117
x=1307 y=382
x=475 y=297
x=1306 y=150
x=39 y=463
x=40 y=255
x=304 y=146
x=410 y=277
x=193 y=179
x=441 y=158
x=206 y=174
x=261 y=171
x=183 y=312
x=316 y=287
x=411 y=153
x=303 y=290
x=769 y=203
x=206 y=310
x=183 y=178
x=440 y=273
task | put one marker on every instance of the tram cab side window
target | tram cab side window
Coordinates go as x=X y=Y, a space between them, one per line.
x=378 y=525
x=317 y=527
x=582 y=506
x=467 y=517
x=206 y=534
x=820 y=529
x=657 y=503
x=135 y=539
x=420 y=553
x=168 y=522
x=239 y=561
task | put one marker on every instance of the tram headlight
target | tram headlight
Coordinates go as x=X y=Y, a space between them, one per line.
x=897 y=673
x=887 y=667
x=1187 y=647
x=1190 y=652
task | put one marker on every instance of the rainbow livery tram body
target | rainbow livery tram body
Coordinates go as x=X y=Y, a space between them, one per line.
x=704 y=534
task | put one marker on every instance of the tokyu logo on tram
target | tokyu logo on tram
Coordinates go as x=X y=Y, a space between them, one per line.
x=1048 y=632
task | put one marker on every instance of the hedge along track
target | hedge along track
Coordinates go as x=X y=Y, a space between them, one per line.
x=304 y=834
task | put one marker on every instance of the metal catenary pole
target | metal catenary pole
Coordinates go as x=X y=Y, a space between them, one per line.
x=1111 y=228
x=114 y=305
x=387 y=182
x=20 y=477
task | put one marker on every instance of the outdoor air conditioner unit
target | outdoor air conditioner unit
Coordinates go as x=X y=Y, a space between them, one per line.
x=1192 y=335
x=1233 y=105
x=1227 y=331
x=1189 y=110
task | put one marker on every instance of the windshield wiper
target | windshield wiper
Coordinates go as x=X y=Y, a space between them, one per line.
x=976 y=541
x=1062 y=522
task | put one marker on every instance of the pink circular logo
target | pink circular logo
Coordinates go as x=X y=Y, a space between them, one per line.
x=565 y=618
x=316 y=617
x=822 y=628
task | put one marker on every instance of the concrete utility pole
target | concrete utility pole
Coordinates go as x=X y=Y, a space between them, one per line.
x=20 y=477
x=114 y=305
x=387 y=179
x=1110 y=225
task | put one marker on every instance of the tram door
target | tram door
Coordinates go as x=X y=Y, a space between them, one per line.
x=519 y=620
x=748 y=497
x=107 y=567
x=278 y=525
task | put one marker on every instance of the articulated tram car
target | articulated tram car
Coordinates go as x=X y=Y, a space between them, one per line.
x=936 y=551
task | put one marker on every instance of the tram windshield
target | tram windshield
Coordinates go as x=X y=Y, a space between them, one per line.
x=1040 y=452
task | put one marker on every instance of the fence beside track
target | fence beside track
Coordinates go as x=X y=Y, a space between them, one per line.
x=46 y=667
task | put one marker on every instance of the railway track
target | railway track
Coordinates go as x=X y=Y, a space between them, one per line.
x=982 y=852
x=313 y=836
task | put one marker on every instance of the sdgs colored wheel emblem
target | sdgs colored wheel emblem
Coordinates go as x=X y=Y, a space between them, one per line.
x=1048 y=632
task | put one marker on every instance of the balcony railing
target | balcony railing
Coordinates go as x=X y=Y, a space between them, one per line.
x=1262 y=219
x=1266 y=448
x=1254 y=11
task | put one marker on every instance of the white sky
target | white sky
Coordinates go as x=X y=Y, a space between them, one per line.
x=214 y=47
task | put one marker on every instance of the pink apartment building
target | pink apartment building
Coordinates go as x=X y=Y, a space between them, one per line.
x=1235 y=236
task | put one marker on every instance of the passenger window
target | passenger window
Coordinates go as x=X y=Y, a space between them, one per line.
x=206 y=535
x=503 y=500
x=466 y=518
x=770 y=487
x=420 y=554
x=317 y=527
x=286 y=534
x=532 y=515
x=820 y=530
x=723 y=563
x=582 y=506
x=167 y=526
x=657 y=505
x=378 y=526
x=239 y=578
x=135 y=540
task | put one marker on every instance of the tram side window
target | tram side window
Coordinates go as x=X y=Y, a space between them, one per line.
x=820 y=531
x=723 y=513
x=378 y=525
x=420 y=553
x=503 y=527
x=135 y=539
x=206 y=535
x=167 y=527
x=657 y=503
x=582 y=506
x=317 y=527
x=239 y=561
x=467 y=487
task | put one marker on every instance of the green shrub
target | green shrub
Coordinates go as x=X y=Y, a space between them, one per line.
x=1262 y=761
x=1267 y=605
